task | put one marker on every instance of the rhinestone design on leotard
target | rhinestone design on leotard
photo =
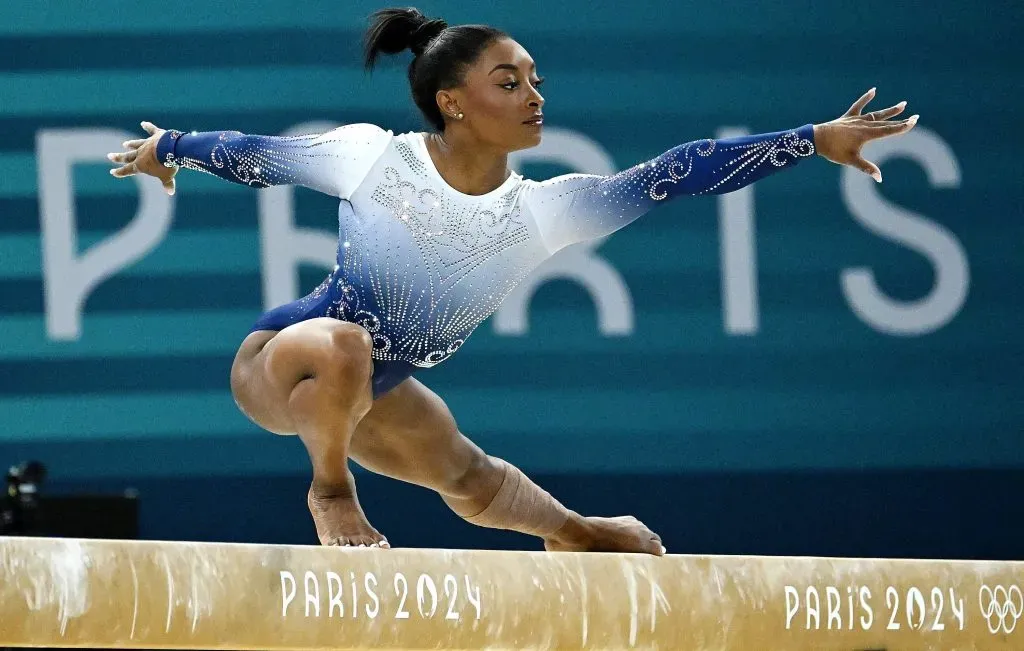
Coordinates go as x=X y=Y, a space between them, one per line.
x=251 y=165
x=441 y=288
x=318 y=161
x=579 y=207
x=420 y=265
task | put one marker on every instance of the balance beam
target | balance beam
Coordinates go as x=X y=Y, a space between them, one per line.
x=175 y=595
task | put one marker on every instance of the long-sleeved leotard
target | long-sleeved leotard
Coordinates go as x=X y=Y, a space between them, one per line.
x=419 y=264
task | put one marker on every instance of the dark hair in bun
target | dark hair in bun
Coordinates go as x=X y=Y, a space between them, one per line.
x=441 y=53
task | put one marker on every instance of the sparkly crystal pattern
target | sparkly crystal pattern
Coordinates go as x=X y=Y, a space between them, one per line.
x=328 y=162
x=449 y=258
x=580 y=207
x=421 y=265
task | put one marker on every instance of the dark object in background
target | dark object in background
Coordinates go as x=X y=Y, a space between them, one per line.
x=24 y=511
x=19 y=510
x=89 y=516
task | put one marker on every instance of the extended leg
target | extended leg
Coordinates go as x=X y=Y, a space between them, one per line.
x=410 y=434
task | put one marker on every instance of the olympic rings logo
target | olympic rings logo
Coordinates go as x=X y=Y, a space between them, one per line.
x=1001 y=607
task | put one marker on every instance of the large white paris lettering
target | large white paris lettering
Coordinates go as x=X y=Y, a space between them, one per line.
x=69 y=278
x=736 y=241
x=935 y=242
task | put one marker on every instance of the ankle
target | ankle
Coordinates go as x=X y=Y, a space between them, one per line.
x=322 y=491
x=575 y=531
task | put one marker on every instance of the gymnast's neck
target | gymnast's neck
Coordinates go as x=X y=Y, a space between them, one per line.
x=465 y=163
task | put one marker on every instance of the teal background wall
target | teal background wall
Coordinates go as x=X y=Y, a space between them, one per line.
x=144 y=391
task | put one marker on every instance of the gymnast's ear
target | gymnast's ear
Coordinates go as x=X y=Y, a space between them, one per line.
x=449 y=104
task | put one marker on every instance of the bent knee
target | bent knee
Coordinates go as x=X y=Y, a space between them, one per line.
x=349 y=355
x=326 y=349
x=478 y=479
x=350 y=338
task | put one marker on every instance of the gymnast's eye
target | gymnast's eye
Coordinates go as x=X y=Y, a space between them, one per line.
x=512 y=85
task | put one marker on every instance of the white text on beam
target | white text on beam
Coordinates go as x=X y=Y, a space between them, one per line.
x=131 y=594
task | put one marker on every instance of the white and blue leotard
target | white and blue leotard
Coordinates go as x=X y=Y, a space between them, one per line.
x=419 y=264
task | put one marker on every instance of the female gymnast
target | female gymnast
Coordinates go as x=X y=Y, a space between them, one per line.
x=434 y=231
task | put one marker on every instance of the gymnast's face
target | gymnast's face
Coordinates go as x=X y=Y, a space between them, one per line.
x=499 y=98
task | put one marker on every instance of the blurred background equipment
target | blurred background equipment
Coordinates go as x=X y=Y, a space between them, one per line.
x=26 y=509
x=19 y=509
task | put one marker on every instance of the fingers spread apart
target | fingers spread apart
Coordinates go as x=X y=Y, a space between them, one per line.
x=859 y=105
x=885 y=114
x=123 y=156
x=126 y=157
x=126 y=170
x=868 y=168
x=890 y=128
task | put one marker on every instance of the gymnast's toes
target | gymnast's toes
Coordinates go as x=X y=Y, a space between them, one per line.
x=376 y=541
x=341 y=523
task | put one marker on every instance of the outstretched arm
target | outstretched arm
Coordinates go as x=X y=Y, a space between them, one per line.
x=577 y=207
x=334 y=162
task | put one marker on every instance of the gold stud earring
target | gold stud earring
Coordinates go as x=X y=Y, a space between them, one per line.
x=459 y=116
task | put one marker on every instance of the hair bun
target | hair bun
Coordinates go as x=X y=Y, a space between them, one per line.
x=425 y=33
x=396 y=29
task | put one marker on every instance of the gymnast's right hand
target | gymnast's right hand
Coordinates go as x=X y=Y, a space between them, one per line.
x=139 y=157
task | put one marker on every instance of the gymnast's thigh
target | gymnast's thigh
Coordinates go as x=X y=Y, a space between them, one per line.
x=410 y=434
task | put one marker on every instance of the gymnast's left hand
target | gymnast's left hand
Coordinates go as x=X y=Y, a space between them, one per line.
x=840 y=140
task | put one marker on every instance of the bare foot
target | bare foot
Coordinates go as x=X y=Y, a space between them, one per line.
x=621 y=534
x=340 y=522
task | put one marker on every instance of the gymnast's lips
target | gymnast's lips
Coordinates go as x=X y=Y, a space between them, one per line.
x=536 y=120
